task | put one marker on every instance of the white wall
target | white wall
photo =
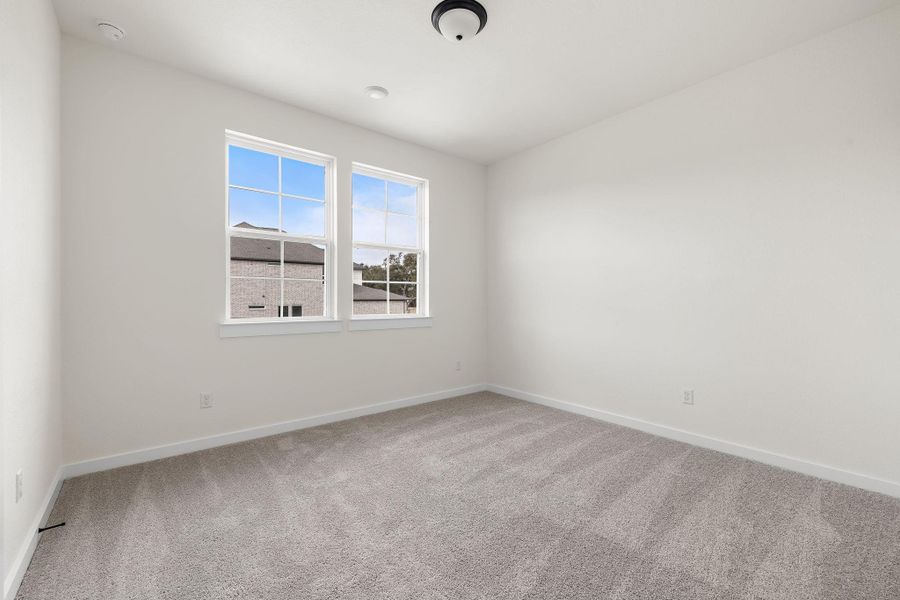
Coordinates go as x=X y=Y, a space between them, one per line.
x=740 y=238
x=144 y=288
x=29 y=270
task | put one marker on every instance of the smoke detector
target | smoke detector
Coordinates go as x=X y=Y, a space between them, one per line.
x=459 y=20
x=110 y=31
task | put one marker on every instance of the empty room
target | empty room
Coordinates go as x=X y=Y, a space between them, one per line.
x=450 y=299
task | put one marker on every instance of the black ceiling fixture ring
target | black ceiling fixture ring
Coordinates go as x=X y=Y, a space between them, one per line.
x=448 y=5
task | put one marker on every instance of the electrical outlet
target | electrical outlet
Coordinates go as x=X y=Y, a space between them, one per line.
x=206 y=400
x=688 y=397
x=459 y=365
x=19 y=485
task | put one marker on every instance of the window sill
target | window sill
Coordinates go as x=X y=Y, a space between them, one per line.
x=230 y=329
x=369 y=323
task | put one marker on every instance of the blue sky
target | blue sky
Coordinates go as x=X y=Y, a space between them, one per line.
x=384 y=212
x=249 y=168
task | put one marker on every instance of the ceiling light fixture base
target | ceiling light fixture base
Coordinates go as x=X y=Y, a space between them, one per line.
x=459 y=20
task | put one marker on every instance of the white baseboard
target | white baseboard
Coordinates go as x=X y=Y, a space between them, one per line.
x=23 y=558
x=165 y=451
x=866 y=482
x=26 y=551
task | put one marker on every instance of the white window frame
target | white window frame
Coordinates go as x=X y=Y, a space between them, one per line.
x=422 y=318
x=266 y=326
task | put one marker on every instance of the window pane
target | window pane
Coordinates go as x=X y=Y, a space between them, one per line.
x=401 y=198
x=404 y=266
x=249 y=168
x=255 y=298
x=304 y=261
x=402 y=230
x=251 y=210
x=368 y=191
x=370 y=299
x=370 y=295
x=373 y=263
x=308 y=295
x=368 y=225
x=403 y=298
x=304 y=217
x=253 y=257
x=302 y=179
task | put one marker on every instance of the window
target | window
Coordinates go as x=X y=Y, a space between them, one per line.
x=279 y=231
x=292 y=311
x=390 y=236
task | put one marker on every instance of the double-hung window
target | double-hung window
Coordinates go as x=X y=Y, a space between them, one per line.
x=280 y=242
x=390 y=244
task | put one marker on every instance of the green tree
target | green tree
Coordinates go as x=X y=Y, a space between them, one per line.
x=403 y=269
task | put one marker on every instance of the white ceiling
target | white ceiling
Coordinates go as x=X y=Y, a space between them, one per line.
x=541 y=68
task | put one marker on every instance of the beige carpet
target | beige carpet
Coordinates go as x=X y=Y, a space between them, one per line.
x=476 y=497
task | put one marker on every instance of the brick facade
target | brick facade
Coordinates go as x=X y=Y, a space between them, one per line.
x=374 y=307
x=256 y=292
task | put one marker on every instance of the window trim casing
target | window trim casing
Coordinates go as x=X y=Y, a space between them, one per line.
x=423 y=315
x=250 y=142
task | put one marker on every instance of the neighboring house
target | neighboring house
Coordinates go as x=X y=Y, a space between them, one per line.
x=256 y=283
